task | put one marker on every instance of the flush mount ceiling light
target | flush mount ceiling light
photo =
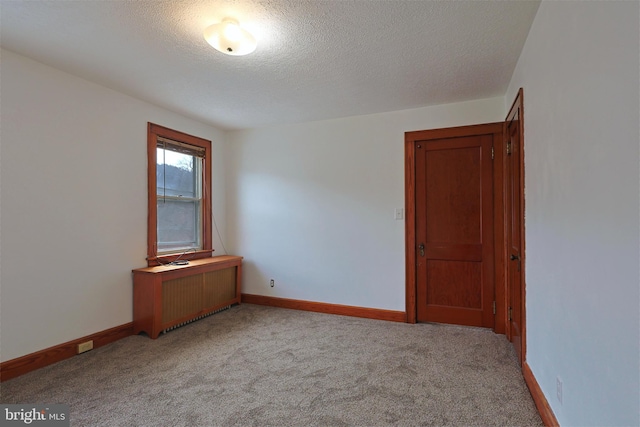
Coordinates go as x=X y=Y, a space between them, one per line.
x=228 y=37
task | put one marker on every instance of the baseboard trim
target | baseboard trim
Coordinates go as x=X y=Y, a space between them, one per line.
x=545 y=411
x=322 y=307
x=22 y=365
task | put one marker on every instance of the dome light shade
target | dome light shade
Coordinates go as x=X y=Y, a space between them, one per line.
x=228 y=37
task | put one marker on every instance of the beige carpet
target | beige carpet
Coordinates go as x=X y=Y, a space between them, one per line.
x=263 y=366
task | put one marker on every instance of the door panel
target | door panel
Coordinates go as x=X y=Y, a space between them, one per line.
x=454 y=230
x=452 y=186
x=454 y=284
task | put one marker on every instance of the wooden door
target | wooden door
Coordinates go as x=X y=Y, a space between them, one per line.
x=514 y=229
x=454 y=230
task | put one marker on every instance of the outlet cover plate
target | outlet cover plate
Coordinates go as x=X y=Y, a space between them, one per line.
x=559 y=389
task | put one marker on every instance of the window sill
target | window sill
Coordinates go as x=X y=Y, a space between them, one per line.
x=166 y=259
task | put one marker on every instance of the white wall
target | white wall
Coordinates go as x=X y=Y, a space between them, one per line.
x=74 y=203
x=579 y=71
x=312 y=205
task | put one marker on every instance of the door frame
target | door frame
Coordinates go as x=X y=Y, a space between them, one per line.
x=411 y=243
x=517 y=108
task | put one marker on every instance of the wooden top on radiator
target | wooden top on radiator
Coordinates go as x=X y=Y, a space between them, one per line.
x=222 y=261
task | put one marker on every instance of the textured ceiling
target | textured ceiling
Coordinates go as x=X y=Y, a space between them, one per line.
x=315 y=59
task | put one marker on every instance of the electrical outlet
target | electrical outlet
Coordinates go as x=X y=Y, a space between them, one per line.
x=85 y=346
x=559 y=389
x=272 y=283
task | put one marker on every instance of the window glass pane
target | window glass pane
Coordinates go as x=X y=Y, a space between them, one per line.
x=176 y=174
x=178 y=225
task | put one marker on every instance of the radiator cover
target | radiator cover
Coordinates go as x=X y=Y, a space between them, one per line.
x=166 y=297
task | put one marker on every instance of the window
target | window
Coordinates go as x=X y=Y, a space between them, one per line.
x=179 y=170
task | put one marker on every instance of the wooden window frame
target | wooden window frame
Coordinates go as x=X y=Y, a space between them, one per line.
x=155 y=131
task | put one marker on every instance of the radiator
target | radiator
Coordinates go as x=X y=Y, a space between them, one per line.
x=194 y=319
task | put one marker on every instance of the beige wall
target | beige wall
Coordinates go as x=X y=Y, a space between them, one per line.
x=74 y=203
x=312 y=205
x=579 y=71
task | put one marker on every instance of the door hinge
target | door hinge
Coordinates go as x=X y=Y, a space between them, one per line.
x=510 y=318
x=493 y=153
x=509 y=148
x=494 y=308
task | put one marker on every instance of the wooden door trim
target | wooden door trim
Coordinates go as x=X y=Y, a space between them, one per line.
x=410 y=227
x=517 y=108
x=411 y=243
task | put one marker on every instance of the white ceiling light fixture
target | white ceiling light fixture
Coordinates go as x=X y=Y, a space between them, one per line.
x=230 y=38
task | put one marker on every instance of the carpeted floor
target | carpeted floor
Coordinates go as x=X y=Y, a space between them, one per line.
x=264 y=366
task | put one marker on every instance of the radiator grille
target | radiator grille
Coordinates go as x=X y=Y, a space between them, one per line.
x=219 y=286
x=190 y=298
x=181 y=297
